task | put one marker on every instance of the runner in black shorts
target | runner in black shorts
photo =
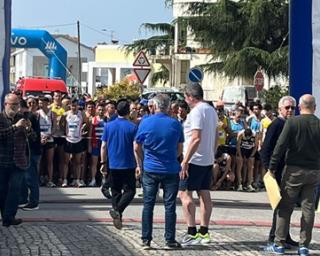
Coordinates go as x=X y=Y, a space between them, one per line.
x=246 y=149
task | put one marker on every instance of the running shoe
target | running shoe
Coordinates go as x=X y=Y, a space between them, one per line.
x=250 y=189
x=240 y=188
x=31 y=207
x=303 y=251
x=190 y=240
x=274 y=249
x=204 y=239
x=50 y=184
x=92 y=183
x=64 y=183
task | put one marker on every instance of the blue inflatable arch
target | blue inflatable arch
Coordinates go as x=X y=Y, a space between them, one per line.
x=41 y=39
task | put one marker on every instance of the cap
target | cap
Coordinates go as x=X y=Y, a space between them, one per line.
x=48 y=96
x=144 y=102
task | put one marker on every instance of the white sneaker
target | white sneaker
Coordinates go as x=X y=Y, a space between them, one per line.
x=50 y=184
x=65 y=183
x=189 y=240
x=240 y=188
x=92 y=183
x=73 y=183
x=250 y=189
x=82 y=184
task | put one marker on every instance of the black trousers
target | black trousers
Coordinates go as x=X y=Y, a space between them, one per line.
x=123 y=188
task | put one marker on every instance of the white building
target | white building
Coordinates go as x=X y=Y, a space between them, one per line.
x=111 y=65
x=31 y=62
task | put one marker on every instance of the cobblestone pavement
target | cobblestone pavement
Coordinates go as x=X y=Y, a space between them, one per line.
x=87 y=238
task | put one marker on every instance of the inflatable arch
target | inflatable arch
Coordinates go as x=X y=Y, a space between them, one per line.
x=41 y=39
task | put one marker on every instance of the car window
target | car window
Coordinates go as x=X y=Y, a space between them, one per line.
x=234 y=94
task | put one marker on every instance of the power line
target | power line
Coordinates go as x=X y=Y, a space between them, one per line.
x=52 y=26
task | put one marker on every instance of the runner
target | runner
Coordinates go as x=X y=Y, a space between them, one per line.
x=74 y=145
x=94 y=144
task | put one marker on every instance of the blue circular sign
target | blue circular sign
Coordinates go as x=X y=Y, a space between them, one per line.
x=195 y=75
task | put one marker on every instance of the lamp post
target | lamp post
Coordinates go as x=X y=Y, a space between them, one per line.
x=112 y=38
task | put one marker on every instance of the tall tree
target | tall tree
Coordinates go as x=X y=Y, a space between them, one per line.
x=242 y=35
x=163 y=41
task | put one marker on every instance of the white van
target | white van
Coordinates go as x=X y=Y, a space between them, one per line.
x=233 y=94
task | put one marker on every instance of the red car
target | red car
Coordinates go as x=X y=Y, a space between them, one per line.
x=39 y=86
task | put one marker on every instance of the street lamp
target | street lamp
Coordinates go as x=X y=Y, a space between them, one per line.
x=112 y=39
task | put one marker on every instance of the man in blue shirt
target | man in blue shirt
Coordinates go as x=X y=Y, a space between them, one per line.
x=117 y=143
x=161 y=137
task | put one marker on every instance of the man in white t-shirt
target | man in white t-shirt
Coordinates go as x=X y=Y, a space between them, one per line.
x=201 y=141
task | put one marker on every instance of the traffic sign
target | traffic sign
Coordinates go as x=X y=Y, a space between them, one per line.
x=142 y=73
x=141 y=60
x=195 y=75
x=258 y=80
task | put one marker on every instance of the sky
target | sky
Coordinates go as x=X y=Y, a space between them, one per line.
x=99 y=19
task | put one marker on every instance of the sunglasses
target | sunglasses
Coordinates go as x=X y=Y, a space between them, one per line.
x=290 y=107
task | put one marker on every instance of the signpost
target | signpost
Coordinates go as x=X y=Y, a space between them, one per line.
x=195 y=75
x=143 y=69
x=258 y=80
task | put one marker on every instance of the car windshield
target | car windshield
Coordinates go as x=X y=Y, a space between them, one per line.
x=234 y=94
x=172 y=95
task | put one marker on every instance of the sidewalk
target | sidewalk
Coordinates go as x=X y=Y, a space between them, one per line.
x=75 y=221
x=88 y=204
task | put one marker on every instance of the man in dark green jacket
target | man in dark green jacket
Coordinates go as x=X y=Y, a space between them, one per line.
x=299 y=142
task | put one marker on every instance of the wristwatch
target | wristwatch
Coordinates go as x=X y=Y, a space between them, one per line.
x=103 y=162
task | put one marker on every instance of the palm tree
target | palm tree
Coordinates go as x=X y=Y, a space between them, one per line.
x=163 y=41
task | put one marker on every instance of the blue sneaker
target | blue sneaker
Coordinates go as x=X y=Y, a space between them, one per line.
x=303 y=251
x=275 y=249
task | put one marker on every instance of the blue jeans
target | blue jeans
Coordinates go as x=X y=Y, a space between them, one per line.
x=10 y=184
x=150 y=184
x=31 y=182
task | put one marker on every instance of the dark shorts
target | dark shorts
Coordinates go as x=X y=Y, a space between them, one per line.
x=199 y=178
x=257 y=156
x=95 y=151
x=246 y=152
x=74 y=148
x=59 y=141
x=232 y=151
x=47 y=146
x=223 y=148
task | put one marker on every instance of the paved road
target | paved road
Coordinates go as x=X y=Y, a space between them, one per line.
x=87 y=238
x=75 y=222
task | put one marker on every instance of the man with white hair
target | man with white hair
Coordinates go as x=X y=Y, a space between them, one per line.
x=299 y=143
x=286 y=107
x=159 y=144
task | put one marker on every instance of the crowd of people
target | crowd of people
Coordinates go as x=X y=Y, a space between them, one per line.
x=178 y=146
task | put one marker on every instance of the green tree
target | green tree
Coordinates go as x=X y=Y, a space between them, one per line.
x=163 y=41
x=274 y=94
x=123 y=89
x=242 y=35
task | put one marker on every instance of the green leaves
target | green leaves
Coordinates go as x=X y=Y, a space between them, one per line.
x=150 y=45
x=123 y=89
x=242 y=35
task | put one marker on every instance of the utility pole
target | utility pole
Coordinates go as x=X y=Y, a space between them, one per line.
x=79 y=58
